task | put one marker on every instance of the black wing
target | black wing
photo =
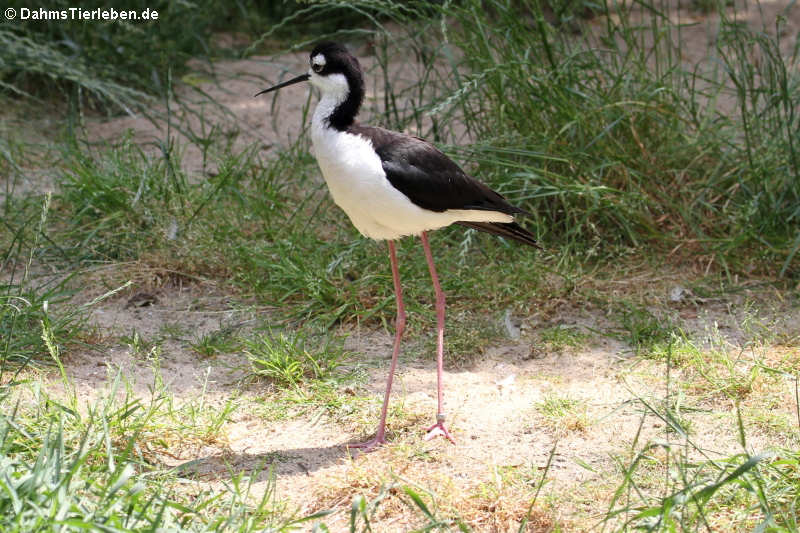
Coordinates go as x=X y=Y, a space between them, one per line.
x=509 y=230
x=429 y=178
x=433 y=181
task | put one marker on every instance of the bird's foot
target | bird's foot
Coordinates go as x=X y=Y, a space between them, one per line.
x=438 y=429
x=369 y=446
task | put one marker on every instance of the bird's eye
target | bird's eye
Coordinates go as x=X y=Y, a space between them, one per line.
x=316 y=67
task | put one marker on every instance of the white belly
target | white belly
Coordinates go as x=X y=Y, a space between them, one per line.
x=358 y=185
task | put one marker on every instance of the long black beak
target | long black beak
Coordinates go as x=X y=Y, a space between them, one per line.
x=298 y=79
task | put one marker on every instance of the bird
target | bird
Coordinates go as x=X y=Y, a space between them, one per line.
x=392 y=185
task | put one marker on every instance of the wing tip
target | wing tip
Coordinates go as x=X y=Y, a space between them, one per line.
x=510 y=230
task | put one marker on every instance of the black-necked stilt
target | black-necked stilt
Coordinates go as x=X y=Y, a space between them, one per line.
x=392 y=185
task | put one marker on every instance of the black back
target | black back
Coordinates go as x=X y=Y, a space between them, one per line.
x=427 y=177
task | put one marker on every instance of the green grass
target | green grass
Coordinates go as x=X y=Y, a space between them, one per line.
x=219 y=341
x=643 y=330
x=119 y=65
x=564 y=413
x=287 y=359
x=26 y=304
x=558 y=338
x=94 y=468
x=674 y=484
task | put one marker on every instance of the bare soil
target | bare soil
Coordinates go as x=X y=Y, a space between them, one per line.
x=494 y=407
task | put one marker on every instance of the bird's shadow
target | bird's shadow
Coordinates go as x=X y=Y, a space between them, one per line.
x=263 y=464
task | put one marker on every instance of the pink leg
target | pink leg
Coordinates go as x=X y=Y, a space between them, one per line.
x=438 y=428
x=399 y=327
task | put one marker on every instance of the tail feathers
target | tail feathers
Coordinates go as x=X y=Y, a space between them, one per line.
x=510 y=230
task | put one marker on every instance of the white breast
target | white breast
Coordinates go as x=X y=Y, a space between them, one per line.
x=358 y=184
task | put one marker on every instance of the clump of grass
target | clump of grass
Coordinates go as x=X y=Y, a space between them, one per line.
x=113 y=64
x=288 y=359
x=765 y=183
x=564 y=413
x=643 y=330
x=29 y=61
x=86 y=469
x=215 y=342
x=559 y=338
x=139 y=345
x=714 y=368
x=25 y=313
x=120 y=203
x=694 y=495
x=33 y=310
x=113 y=198
x=117 y=64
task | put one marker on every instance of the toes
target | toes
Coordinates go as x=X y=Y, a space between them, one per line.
x=439 y=430
x=436 y=431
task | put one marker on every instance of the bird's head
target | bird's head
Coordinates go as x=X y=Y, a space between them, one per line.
x=333 y=70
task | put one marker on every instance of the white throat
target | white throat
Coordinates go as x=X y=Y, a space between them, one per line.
x=327 y=104
x=334 y=91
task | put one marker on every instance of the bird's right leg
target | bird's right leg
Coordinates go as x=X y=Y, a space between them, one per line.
x=400 y=325
x=438 y=428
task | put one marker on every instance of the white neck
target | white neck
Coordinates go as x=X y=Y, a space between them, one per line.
x=334 y=90
x=325 y=109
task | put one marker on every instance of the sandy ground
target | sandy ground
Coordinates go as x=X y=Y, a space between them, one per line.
x=491 y=405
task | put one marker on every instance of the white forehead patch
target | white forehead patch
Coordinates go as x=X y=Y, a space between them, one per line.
x=318 y=59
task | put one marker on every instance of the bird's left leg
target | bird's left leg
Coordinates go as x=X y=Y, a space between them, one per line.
x=438 y=428
x=380 y=436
